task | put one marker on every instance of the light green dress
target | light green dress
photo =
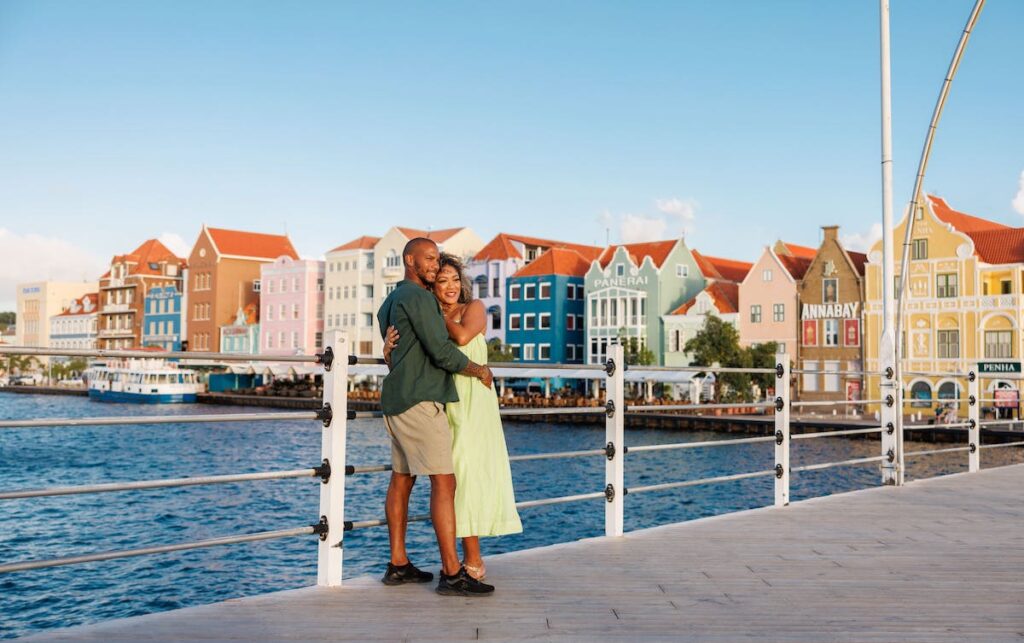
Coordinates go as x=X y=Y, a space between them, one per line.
x=485 y=503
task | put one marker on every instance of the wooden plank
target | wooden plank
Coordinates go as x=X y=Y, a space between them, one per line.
x=936 y=560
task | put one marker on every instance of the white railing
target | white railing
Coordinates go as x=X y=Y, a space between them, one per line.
x=331 y=521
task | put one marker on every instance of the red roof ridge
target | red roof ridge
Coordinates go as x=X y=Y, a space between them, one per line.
x=364 y=242
x=802 y=252
x=556 y=261
x=721 y=268
x=658 y=251
x=501 y=247
x=725 y=295
x=960 y=220
x=251 y=245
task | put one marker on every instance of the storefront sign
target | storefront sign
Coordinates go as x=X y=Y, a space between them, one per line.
x=1006 y=398
x=999 y=367
x=810 y=333
x=622 y=282
x=853 y=391
x=849 y=310
x=851 y=332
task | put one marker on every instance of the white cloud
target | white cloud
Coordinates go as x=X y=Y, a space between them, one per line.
x=634 y=228
x=685 y=210
x=33 y=257
x=1018 y=201
x=862 y=242
x=675 y=218
x=175 y=244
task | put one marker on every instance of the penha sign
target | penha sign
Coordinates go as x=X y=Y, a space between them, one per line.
x=999 y=367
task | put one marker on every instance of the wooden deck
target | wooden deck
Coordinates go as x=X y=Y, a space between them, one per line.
x=938 y=560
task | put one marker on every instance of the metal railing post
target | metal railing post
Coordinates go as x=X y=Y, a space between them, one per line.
x=332 y=491
x=615 y=424
x=892 y=407
x=782 y=441
x=974 y=419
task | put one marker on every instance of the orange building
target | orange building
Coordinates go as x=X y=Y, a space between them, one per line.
x=224 y=276
x=123 y=292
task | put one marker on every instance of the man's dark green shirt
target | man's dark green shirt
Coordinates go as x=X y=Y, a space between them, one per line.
x=424 y=360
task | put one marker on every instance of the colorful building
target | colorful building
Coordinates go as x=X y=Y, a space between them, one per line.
x=719 y=298
x=629 y=288
x=770 y=299
x=76 y=326
x=963 y=306
x=224 y=277
x=123 y=292
x=37 y=302
x=163 y=319
x=292 y=306
x=350 y=302
x=503 y=256
x=545 y=308
x=242 y=335
x=831 y=297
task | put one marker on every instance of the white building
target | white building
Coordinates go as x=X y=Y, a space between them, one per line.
x=76 y=326
x=38 y=302
x=719 y=298
x=362 y=272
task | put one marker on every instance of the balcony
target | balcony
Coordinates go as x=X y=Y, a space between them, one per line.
x=392 y=271
x=992 y=302
x=117 y=308
x=116 y=332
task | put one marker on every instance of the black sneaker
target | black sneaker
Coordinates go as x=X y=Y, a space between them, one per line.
x=462 y=584
x=407 y=573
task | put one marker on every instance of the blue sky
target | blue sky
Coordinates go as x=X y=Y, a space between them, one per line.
x=736 y=122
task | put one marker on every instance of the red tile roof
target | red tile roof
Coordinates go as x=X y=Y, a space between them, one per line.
x=722 y=269
x=962 y=222
x=252 y=245
x=802 y=252
x=501 y=247
x=795 y=266
x=858 y=259
x=658 y=251
x=556 y=261
x=150 y=252
x=724 y=294
x=94 y=298
x=439 y=236
x=362 y=243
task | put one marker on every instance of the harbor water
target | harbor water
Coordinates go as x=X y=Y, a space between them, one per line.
x=38 y=600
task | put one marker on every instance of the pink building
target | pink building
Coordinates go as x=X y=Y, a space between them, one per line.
x=291 y=306
x=768 y=297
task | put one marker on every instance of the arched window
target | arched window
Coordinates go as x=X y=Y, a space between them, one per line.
x=495 y=314
x=949 y=391
x=920 y=394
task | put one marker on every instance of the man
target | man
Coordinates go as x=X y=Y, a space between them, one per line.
x=413 y=398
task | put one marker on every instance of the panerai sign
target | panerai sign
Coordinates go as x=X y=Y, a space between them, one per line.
x=832 y=311
x=620 y=282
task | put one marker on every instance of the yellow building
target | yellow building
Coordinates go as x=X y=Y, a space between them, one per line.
x=963 y=306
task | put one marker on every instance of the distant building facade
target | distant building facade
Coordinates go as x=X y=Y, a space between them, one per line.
x=242 y=335
x=164 y=317
x=292 y=306
x=37 y=302
x=769 y=297
x=76 y=326
x=719 y=298
x=123 y=292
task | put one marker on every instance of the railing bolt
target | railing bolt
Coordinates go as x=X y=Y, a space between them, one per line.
x=891 y=455
x=325 y=414
x=609 y=408
x=779 y=471
x=609 y=367
x=971 y=376
x=778 y=437
x=972 y=424
x=780 y=370
x=609 y=493
x=779 y=404
x=321 y=528
x=889 y=373
x=326 y=358
x=890 y=428
x=973 y=447
x=890 y=400
x=609 y=450
x=971 y=400
x=323 y=471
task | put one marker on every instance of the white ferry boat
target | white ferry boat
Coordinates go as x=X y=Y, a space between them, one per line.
x=149 y=381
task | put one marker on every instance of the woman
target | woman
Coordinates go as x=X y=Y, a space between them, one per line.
x=485 y=503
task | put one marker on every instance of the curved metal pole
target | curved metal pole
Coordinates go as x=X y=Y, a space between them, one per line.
x=922 y=166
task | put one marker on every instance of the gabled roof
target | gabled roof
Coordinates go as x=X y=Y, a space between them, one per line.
x=94 y=299
x=722 y=269
x=962 y=222
x=556 y=261
x=501 y=247
x=858 y=259
x=362 y=243
x=439 y=236
x=795 y=266
x=724 y=295
x=658 y=251
x=802 y=252
x=140 y=259
x=251 y=245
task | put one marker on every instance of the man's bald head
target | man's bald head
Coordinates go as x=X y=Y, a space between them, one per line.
x=421 y=257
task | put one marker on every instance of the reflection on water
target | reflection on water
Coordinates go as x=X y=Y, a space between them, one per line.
x=52 y=527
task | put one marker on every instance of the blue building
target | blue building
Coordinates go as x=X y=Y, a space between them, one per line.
x=545 y=305
x=162 y=319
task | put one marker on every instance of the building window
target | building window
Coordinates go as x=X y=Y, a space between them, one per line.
x=529 y=321
x=570 y=353
x=682 y=270
x=570 y=291
x=946 y=285
x=998 y=344
x=481 y=289
x=295 y=311
x=779 y=312
x=517 y=353
x=949 y=344
x=544 y=351
x=620 y=270
x=496 y=319
x=393 y=260
x=1005 y=287
x=529 y=291
x=832 y=377
x=544 y=322
x=318 y=338
x=570 y=322
x=755 y=314
x=529 y=352
x=810 y=376
x=270 y=340
x=831 y=332
x=389 y=288
x=366 y=348
x=579 y=292
x=514 y=322
x=367 y=320
x=766 y=275
x=920 y=249
x=513 y=292
x=295 y=339
x=829 y=291
x=545 y=291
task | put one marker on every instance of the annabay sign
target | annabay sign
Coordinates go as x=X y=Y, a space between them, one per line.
x=831 y=311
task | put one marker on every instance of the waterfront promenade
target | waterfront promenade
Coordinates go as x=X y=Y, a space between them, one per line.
x=935 y=560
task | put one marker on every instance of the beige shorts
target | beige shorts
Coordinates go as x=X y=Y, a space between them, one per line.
x=421 y=440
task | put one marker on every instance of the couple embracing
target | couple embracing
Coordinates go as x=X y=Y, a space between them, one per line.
x=441 y=414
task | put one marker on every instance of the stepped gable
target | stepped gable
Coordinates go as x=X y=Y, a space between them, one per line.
x=724 y=294
x=658 y=251
x=501 y=247
x=77 y=306
x=251 y=245
x=963 y=222
x=722 y=269
x=994 y=243
x=556 y=261
x=361 y=243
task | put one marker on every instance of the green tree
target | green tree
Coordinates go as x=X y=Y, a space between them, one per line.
x=496 y=352
x=763 y=356
x=7 y=319
x=717 y=343
x=635 y=352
